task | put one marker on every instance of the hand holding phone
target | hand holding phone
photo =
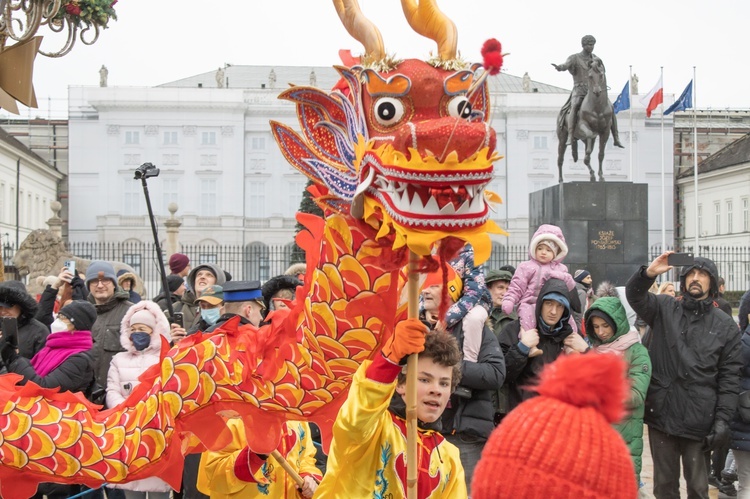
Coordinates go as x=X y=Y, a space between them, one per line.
x=71 y=266
x=177 y=333
x=680 y=259
x=177 y=319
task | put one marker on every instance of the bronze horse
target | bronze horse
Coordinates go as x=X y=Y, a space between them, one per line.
x=595 y=119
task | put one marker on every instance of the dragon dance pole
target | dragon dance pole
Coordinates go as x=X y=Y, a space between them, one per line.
x=411 y=385
x=288 y=468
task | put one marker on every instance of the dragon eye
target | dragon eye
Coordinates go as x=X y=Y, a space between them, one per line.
x=460 y=107
x=388 y=110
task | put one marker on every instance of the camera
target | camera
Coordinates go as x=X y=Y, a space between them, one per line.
x=146 y=170
x=463 y=392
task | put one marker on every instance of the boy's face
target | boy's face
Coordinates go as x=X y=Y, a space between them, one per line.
x=433 y=389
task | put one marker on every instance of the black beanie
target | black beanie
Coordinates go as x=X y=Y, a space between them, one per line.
x=174 y=282
x=81 y=313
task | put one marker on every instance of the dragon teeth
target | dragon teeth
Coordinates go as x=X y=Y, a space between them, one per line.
x=432 y=206
x=465 y=208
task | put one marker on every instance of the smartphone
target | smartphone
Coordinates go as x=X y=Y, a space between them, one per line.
x=71 y=266
x=9 y=328
x=177 y=319
x=680 y=259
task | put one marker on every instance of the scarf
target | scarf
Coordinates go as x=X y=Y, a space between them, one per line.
x=58 y=348
x=560 y=330
x=620 y=344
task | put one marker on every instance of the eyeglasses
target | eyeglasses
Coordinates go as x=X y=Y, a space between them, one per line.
x=101 y=282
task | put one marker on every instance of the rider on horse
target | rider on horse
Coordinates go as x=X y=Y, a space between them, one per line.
x=578 y=65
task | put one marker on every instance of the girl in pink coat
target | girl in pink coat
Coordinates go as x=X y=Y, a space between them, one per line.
x=547 y=249
x=141 y=332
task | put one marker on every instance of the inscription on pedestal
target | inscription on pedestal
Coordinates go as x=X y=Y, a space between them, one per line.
x=605 y=225
x=606 y=241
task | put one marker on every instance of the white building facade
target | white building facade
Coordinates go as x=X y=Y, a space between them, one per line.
x=205 y=139
x=721 y=216
x=28 y=185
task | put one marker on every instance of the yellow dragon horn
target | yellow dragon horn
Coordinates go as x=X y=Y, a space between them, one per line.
x=428 y=20
x=362 y=29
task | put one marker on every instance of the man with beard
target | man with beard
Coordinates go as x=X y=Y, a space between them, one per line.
x=695 y=354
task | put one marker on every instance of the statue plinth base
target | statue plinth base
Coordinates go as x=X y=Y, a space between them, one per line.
x=605 y=225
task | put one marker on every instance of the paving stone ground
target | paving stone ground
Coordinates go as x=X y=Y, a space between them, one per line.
x=647 y=475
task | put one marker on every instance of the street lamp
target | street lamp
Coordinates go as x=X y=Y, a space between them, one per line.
x=7 y=249
x=82 y=19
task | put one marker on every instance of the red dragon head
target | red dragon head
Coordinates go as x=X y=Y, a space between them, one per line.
x=404 y=145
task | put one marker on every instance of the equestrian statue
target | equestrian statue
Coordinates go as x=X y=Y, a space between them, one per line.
x=588 y=113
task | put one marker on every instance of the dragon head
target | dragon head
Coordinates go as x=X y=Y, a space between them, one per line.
x=403 y=145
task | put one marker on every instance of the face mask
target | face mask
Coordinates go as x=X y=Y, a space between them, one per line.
x=58 y=326
x=140 y=340
x=210 y=315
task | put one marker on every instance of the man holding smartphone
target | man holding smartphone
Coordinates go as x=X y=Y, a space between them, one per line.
x=696 y=361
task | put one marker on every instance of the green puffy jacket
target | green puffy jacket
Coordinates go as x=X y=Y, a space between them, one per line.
x=639 y=374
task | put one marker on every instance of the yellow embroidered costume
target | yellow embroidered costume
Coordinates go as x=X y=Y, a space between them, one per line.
x=368 y=451
x=236 y=471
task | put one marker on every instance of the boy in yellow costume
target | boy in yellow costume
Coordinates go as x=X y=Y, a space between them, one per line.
x=368 y=452
x=236 y=471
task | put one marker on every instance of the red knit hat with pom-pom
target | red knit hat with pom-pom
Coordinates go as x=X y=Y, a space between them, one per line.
x=561 y=444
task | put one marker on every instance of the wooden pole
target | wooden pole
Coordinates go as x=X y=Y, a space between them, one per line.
x=411 y=386
x=288 y=468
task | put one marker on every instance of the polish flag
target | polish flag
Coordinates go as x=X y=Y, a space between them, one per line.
x=654 y=97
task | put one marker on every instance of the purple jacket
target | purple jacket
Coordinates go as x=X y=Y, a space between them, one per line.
x=531 y=275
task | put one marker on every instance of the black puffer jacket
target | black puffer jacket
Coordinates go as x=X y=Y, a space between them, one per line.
x=475 y=415
x=177 y=303
x=73 y=375
x=744 y=310
x=523 y=371
x=695 y=353
x=31 y=333
x=740 y=428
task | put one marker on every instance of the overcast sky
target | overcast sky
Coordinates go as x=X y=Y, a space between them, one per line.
x=156 y=41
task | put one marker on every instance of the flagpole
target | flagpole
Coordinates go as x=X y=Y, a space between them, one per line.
x=663 y=186
x=630 y=119
x=697 y=250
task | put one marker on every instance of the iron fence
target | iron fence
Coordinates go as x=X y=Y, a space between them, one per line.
x=732 y=262
x=251 y=262
x=261 y=262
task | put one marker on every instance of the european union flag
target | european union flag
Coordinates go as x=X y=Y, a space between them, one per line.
x=623 y=100
x=684 y=102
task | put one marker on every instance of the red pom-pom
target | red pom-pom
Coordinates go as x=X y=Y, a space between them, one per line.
x=492 y=56
x=590 y=380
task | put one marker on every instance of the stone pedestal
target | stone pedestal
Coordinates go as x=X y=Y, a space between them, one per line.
x=173 y=230
x=55 y=223
x=605 y=225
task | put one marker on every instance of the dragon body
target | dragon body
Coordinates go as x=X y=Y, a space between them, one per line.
x=399 y=154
